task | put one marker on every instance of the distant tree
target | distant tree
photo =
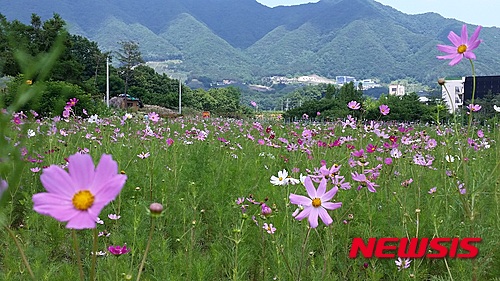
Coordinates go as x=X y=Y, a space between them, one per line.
x=130 y=56
x=88 y=54
x=330 y=91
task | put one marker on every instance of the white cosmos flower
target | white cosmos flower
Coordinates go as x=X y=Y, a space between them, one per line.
x=280 y=179
x=93 y=119
x=449 y=158
x=31 y=133
x=496 y=108
x=290 y=180
x=396 y=153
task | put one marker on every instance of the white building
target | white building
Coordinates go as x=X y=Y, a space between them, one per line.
x=341 y=80
x=453 y=93
x=397 y=90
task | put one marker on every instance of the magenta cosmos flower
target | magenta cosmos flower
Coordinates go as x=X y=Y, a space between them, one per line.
x=79 y=196
x=118 y=250
x=463 y=46
x=317 y=204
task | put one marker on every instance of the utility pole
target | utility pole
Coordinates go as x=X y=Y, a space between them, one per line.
x=107 y=81
x=180 y=96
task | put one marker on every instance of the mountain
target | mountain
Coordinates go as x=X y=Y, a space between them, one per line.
x=245 y=40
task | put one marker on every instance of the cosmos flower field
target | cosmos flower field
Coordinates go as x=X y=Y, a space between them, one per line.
x=229 y=189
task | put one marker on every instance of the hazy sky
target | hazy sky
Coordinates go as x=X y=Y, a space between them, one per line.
x=480 y=12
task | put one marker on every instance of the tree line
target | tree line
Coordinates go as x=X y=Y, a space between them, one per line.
x=80 y=71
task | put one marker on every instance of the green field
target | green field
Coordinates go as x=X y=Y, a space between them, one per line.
x=430 y=181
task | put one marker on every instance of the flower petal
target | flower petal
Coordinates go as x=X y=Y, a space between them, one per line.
x=300 y=200
x=107 y=192
x=447 y=49
x=456 y=60
x=464 y=38
x=473 y=45
x=321 y=188
x=313 y=217
x=331 y=205
x=81 y=170
x=57 y=181
x=329 y=195
x=475 y=35
x=454 y=39
x=82 y=220
x=54 y=205
x=304 y=213
x=107 y=182
x=311 y=190
x=450 y=56
x=470 y=55
x=325 y=217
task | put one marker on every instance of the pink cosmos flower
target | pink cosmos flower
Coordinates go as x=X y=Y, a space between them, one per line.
x=354 y=105
x=325 y=173
x=384 y=109
x=474 y=107
x=35 y=169
x=463 y=46
x=480 y=134
x=317 y=203
x=79 y=196
x=388 y=161
x=363 y=181
x=269 y=228
x=114 y=217
x=402 y=263
x=143 y=155
x=254 y=104
x=118 y=250
x=154 y=117
x=3 y=187
x=66 y=113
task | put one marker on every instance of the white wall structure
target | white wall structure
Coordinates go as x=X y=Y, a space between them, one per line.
x=397 y=90
x=453 y=93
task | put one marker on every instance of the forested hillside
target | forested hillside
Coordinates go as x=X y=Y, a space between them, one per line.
x=244 y=40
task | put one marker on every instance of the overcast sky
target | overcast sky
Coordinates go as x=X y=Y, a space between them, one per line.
x=479 y=12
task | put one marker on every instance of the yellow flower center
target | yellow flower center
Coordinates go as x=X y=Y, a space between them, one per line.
x=280 y=178
x=316 y=202
x=83 y=200
x=461 y=49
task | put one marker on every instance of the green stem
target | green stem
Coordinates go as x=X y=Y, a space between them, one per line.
x=473 y=93
x=77 y=252
x=303 y=250
x=263 y=254
x=281 y=251
x=23 y=256
x=94 y=255
x=147 y=249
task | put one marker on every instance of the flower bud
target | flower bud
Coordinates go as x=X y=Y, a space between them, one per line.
x=441 y=81
x=265 y=210
x=156 y=209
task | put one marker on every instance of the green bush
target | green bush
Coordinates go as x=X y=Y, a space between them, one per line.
x=52 y=99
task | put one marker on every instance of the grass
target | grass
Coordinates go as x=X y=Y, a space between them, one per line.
x=204 y=235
